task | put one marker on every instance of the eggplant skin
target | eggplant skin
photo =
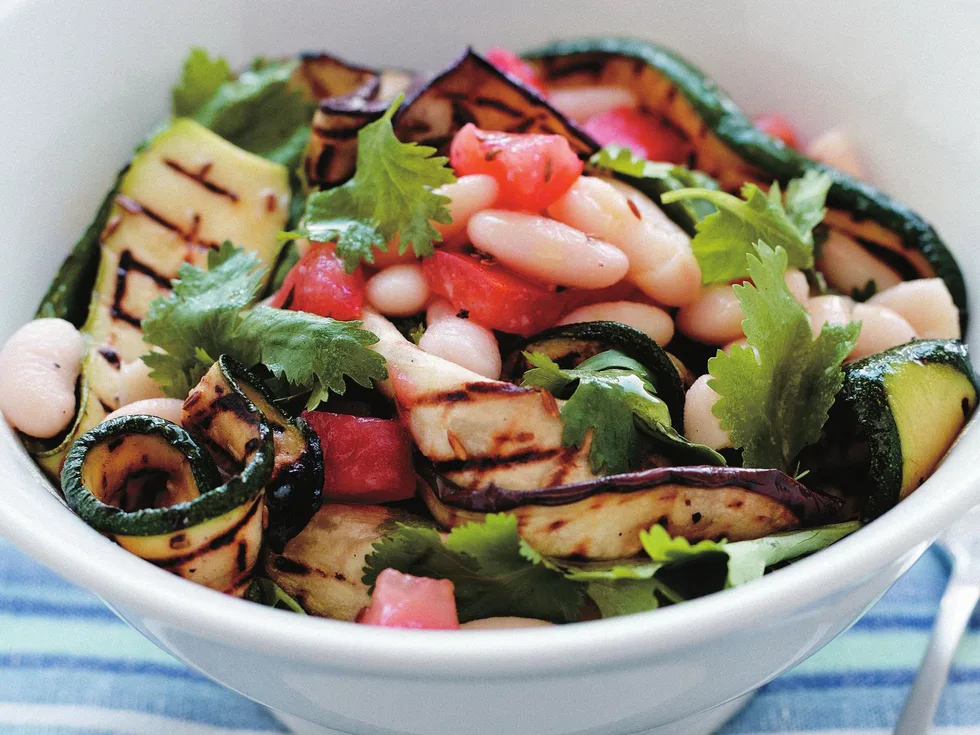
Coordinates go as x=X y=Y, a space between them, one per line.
x=602 y=519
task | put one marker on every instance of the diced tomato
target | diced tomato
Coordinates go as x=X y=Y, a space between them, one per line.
x=533 y=170
x=365 y=460
x=647 y=136
x=778 y=127
x=403 y=601
x=493 y=296
x=318 y=284
x=583 y=297
x=508 y=61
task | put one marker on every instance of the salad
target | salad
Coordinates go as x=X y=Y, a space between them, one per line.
x=532 y=340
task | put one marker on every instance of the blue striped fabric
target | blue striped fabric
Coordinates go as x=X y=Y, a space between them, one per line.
x=68 y=665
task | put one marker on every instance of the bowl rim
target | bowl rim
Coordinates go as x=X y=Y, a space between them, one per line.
x=137 y=589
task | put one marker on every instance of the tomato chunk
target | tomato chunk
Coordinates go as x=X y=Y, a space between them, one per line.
x=365 y=460
x=492 y=295
x=508 y=61
x=778 y=127
x=647 y=136
x=403 y=601
x=318 y=284
x=532 y=170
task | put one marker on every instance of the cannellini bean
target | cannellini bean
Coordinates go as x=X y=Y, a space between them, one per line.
x=581 y=103
x=926 y=304
x=165 y=408
x=400 y=290
x=715 y=318
x=661 y=262
x=881 y=328
x=505 y=623
x=439 y=309
x=740 y=342
x=39 y=366
x=848 y=266
x=651 y=320
x=648 y=208
x=468 y=195
x=798 y=285
x=135 y=383
x=828 y=310
x=700 y=425
x=546 y=250
x=836 y=148
x=465 y=343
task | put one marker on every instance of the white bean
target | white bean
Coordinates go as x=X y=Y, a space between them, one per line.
x=465 y=343
x=715 y=318
x=400 y=290
x=135 y=383
x=926 y=304
x=165 y=408
x=651 y=320
x=798 y=285
x=700 y=425
x=828 y=310
x=581 y=103
x=439 y=309
x=836 y=148
x=545 y=250
x=504 y=623
x=39 y=366
x=881 y=329
x=848 y=266
x=648 y=208
x=661 y=262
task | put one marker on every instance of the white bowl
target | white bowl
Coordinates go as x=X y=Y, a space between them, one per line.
x=83 y=82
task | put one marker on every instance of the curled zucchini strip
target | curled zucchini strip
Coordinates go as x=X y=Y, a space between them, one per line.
x=146 y=484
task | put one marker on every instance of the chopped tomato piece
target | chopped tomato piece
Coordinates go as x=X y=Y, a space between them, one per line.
x=492 y=295
x=583 y=297
x=778 y=127
x=647 y=136
x=508 y=61
x=532 y=170
x=403 y=601
x=318 y=284
x=365 y=460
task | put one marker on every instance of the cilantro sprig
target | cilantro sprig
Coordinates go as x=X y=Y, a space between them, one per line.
x=775 y=393
x=612 y=397
x=210 y=313
x=725 y=238
x=390 y=196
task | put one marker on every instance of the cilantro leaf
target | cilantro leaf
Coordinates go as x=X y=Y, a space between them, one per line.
x=661 y=547
x=613 y=399
x=390 y=196
x=201 y=78
x=748 y=560
x=725 y=238
x=492 y=570
x=268 y=593
x=208 y=314
x=258 y=110
x=777 y=403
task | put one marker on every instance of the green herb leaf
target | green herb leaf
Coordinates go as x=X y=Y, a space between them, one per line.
x=492 y=570
x=725 y=238
x=208 y=315
x=748 y=560
x=201 y=79
x=613 y=399
x=661 y=547
x=258 y=111
x=268 y=593
x=775 y=404
x=389 y=196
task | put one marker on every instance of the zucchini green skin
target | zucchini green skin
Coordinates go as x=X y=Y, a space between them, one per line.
x=215 y=499
x=865 y=397
x=293 y=491
x=596 y=337
x=730 y=124
x=70 y=292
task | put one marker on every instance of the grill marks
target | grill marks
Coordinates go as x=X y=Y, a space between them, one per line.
x=201 y=177
x=128 y=263
x=228 y=537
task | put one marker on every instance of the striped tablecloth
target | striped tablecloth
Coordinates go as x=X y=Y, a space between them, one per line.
x=68 y=665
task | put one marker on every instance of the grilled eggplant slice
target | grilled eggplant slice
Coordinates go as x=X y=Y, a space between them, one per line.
x=602 y=519
x=230 y=393
x=572 y=344
x=480 y=433
x=322 y=568
x=730 y=148
x=146 y=484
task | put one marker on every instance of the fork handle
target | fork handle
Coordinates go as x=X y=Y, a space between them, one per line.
x=955 y=609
